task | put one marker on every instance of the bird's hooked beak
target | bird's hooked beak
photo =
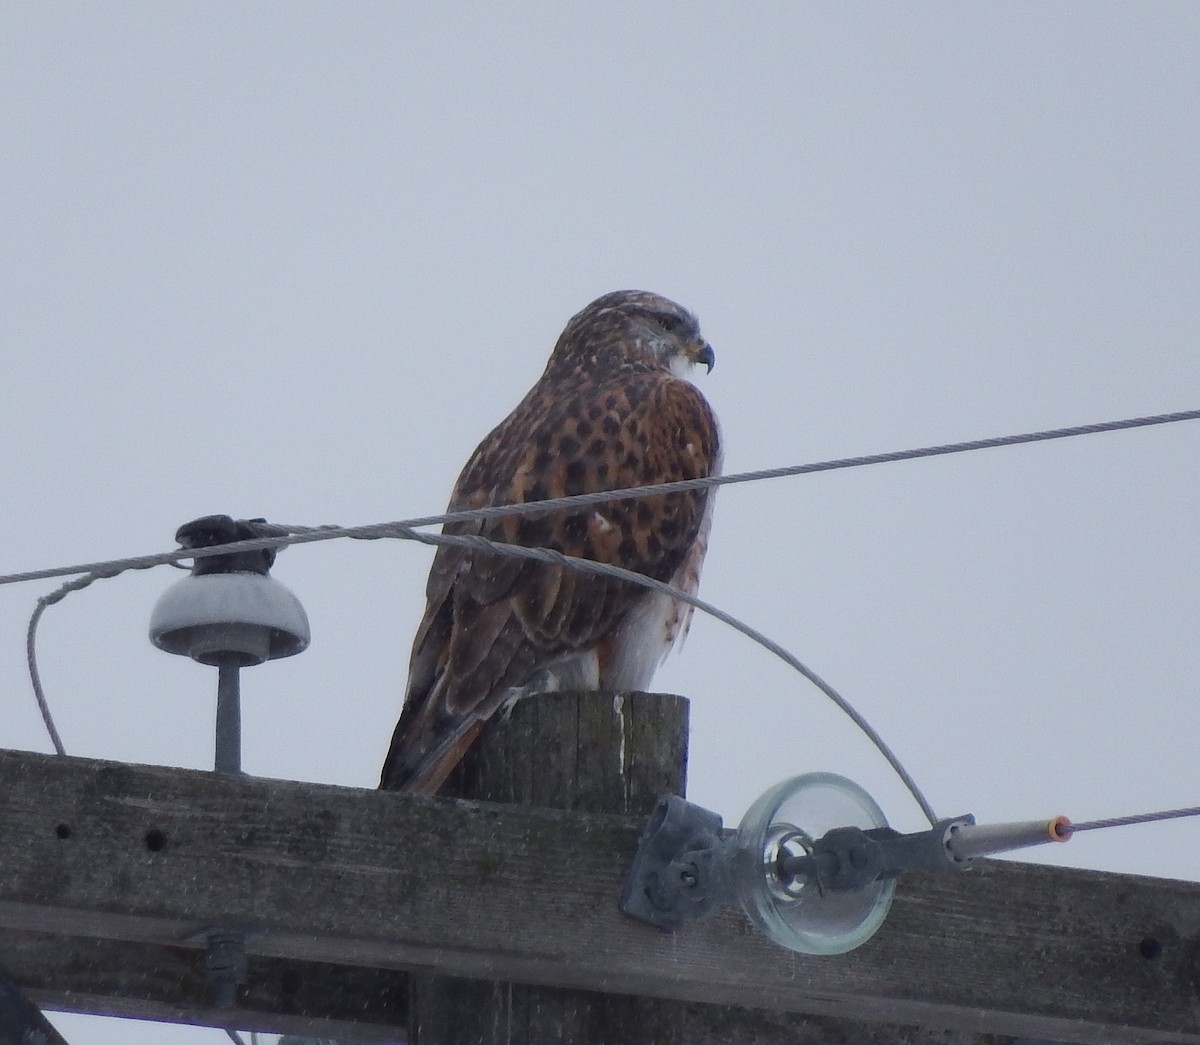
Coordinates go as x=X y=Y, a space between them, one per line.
x=702 y=353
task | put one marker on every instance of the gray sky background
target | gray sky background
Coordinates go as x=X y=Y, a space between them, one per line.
x=294 y=260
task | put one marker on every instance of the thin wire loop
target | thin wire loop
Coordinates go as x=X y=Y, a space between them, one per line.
x=477 y=543
x=35 y=619
x=31 y=649
x=35 y=676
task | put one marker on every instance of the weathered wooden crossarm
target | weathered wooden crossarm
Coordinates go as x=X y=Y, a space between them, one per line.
x=385 y=881
x=349 y=1004
x=153 y=982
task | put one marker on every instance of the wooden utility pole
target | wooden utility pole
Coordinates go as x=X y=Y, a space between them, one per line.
x=110 y=874
x=21 y=1022
x=573 y=752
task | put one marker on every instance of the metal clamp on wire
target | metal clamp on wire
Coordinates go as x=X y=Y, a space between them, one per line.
x=847 y=858
x=851 y=858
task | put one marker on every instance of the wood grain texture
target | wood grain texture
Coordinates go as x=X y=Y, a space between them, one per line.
x=587 y=752
x=570 y=751
x=149 y=981
x=527 y=894
x=617 y=755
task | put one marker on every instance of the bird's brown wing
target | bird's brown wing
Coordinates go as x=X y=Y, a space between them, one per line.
x=492 y=622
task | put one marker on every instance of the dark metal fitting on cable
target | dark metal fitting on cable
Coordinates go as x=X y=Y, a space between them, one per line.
x=847 y=858
x=851 y=858
x=211 y=530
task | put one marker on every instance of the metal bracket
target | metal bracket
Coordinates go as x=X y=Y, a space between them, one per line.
x=224 y=961
x=683 y=867
x=677 y=873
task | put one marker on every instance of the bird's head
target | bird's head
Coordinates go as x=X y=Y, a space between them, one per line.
x=634 y=326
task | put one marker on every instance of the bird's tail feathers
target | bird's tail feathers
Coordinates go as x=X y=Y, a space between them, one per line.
x=425 y=751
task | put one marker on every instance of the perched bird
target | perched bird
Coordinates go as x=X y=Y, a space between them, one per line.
x=613 y=409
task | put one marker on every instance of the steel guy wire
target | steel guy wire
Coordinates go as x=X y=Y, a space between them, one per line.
x=1137 y=818
x=406 y=529
x=547 y=555
x=303 y=535
x=606 y=570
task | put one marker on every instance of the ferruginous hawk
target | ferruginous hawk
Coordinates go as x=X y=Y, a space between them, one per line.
x=613 y=409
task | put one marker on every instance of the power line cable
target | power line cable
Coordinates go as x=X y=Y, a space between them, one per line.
x=304 y=535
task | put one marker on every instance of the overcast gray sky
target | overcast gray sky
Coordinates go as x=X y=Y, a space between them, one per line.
x=294 y=260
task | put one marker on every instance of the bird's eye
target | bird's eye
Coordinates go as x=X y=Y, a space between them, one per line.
x=671 y=323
